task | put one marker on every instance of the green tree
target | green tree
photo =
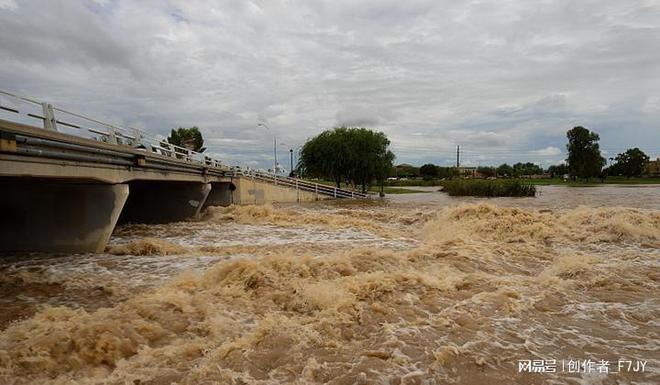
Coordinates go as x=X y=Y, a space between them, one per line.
x=557 y=170
x=349 y=154
x=632 y=162
x=429 y=170
x=447 y=172
x=520 y=169
x=487 y=171
x=584 y=159
x=190 y=138
x=615 y=169
x=505 y=170
x=405 y=170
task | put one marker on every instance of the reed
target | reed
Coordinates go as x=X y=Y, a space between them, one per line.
x=489 y=188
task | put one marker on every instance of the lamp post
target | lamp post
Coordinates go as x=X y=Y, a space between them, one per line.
x=291 y=169
x=264 y=125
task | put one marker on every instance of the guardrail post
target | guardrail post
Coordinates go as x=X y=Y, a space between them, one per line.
x=49 y=117
x=352 y=196
x=316 y=190
x=112 y=137
x=335 y=192
x=138 y=138
x=297 y=192
x=275 y=179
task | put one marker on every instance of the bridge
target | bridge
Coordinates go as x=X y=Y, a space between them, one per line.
x=66 y=182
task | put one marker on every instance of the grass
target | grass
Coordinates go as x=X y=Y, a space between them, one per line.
x=413 y=182
x=396 y=190
x=489 y=188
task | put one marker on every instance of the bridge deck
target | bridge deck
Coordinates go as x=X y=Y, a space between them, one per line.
x=34 y=152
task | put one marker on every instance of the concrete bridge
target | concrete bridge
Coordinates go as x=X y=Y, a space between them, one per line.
x=63 y=191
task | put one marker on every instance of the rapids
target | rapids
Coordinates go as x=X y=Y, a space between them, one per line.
x=414 y=290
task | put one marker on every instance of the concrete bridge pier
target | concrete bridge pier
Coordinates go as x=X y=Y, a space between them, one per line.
x=221 y=194
x=58 y=216
x=163 y=202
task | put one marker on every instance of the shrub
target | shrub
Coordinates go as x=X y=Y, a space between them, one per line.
x=489 y=188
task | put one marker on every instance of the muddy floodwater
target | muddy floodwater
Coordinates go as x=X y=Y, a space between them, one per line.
x=413 y=289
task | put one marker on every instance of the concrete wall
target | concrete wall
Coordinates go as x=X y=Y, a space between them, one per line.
x=56 y=216
x=253 y=191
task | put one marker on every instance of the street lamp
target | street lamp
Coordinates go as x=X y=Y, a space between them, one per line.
x=291 y=169
x=264 y=125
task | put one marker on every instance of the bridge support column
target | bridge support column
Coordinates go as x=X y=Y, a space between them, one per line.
x=57 y=216
x=221 y=194
x=163 y=202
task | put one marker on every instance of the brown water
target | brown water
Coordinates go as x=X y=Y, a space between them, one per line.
x=416 y=289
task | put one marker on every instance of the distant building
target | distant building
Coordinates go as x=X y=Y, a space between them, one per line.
x=653 y=168
x=467 y=171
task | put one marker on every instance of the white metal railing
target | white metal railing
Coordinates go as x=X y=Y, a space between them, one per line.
x=54 y=118
x=58 y=119
x=301 y=184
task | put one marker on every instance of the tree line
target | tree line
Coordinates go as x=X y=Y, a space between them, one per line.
x=584 y=161
x=359 y=156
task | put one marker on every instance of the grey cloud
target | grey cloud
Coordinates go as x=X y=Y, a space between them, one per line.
x=501 y=79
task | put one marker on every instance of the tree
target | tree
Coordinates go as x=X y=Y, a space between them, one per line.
x=520 y=169
x=447 y=172
x=487 y=171
x=190 y=138
x=405 y=170
x=632 y=162
x=615 y=169
x=429 y=171
x=557 y=170
x=350 y=154
x=584 y=159
x=505 y=170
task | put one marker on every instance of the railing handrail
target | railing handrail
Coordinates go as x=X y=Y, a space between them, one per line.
x=305 y=185
x=142 y=138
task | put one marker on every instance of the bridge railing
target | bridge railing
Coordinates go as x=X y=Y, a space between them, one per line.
x=27 y=110
x=296 y=183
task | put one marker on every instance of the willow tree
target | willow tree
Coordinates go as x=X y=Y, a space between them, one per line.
x=356 y=155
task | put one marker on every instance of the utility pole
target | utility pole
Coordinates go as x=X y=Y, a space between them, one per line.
x=458 y=156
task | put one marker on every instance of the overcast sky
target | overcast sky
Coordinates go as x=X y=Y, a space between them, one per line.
x=503 y=79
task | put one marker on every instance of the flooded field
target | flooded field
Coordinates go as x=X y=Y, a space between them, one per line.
x=414 y=289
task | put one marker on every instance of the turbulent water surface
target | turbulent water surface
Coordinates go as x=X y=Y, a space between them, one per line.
x=417 y=289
